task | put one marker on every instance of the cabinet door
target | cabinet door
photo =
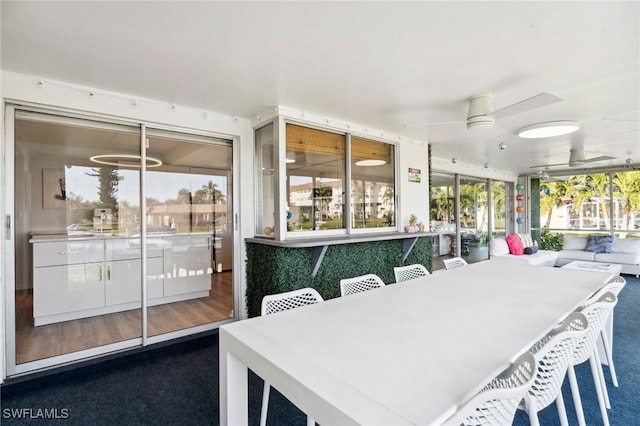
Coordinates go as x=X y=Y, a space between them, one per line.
x=187 y=265
x=123 y=280
x=67 y=252
x=68 y=288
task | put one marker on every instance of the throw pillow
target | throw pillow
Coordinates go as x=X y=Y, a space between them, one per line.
x=599 y=244
x=498 y=247
x=526 y=239
x=531 y=250
x=515 y=244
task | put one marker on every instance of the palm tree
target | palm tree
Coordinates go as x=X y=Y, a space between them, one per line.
x=593 y=186
x=558 y=193
x=627 y=189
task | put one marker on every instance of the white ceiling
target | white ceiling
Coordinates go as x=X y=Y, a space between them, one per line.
x=378 y=64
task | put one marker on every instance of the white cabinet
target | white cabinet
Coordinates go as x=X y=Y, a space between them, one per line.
x=94 y=276
x=124 y=270
x=187 y=264
x=69 y=277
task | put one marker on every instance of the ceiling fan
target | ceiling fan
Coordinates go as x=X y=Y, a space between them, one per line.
x=576 y=159
x=481 y=112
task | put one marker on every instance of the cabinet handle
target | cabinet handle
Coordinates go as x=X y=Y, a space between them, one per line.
x=109 y=273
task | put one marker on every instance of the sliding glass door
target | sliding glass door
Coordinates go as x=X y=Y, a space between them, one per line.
x=86 y=196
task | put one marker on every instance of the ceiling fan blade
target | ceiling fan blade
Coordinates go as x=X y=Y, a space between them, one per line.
x=438 y=123
x=547 y=165
x=537 y=101
x=601 y=158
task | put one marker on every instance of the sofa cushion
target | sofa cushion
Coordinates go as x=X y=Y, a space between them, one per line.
x=622 y=258
x=531 y=250
x=599 y=243
x=499 y=247
x=515 y=244
x=571 y=242
x=626 y=245
x=577 y=255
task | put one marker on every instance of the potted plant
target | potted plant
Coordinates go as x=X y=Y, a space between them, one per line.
x=412 y=224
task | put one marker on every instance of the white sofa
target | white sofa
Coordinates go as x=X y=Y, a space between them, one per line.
x=624 y=251
x=499 y=250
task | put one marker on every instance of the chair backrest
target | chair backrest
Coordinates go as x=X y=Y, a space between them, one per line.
x=614 y=285
x=553 y=354
x=288 y=300
x=454 y=262
x=496 y=403
x=409 y=272
x=597 y=314
x=358 y=284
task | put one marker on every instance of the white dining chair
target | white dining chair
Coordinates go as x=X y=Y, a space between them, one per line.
x=409 y=272
x=597 y=314
x=553 y=354
x=362 y=283
x=454 y=262
x=496 y=403
x=614 y=285
x=281 y=302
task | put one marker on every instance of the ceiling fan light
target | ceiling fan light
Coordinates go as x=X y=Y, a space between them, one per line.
x=480 y=110
x=548 y=129
x=480 y=122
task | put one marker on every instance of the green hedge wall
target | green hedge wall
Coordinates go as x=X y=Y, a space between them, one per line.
x=273 y=269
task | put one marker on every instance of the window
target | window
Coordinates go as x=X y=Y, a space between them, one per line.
x=315 y=163
x=604 y=202
x=334 y=181
x=372 y=184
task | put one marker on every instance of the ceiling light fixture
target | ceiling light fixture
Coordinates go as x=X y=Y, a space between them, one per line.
x=124 y=160
x=290 y=158
x=370 y=163
x=548 y=129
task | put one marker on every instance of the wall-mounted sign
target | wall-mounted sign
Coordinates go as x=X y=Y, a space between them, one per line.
x=414 y=175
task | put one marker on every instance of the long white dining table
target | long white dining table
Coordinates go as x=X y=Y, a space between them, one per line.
x=407 y=353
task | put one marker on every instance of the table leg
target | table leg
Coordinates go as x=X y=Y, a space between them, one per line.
x=234 y=391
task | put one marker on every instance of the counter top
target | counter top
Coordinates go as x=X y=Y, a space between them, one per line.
x=340 y=239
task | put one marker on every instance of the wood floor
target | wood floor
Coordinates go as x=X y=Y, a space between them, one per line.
x=34 y=343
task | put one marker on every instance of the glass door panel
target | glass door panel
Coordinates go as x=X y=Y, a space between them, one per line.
x=77 y=256
x=189 y=222
x=474 y=218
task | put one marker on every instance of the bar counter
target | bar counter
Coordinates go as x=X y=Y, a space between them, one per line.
x=275 y=266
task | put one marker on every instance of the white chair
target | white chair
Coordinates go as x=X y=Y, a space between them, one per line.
x=281 y=302
x=357 y=284
x=497 y=403
x=409 y=272
x=597 y=314
x=454 y=262
x=553 y=354
x=614 y=285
